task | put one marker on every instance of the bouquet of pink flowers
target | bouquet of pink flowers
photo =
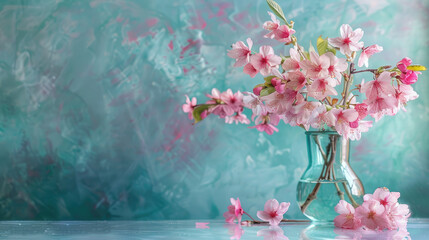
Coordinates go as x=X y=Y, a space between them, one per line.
x=300 y=89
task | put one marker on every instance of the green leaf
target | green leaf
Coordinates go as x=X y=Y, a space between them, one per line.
x=416 y=68
x=277 y=10
x=267 y=91
x=268 y=79
x=260 y=85
x=198 y=110
x=322 y=45
x=332 y=50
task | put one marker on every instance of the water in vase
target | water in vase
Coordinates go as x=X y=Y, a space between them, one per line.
x=321 y=208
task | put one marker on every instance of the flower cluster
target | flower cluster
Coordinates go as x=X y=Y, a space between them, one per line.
x=227 y=105
x=379 y=211
x=300 y=89
x=273 y=212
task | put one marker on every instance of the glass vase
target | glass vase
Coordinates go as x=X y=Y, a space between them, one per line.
x=328 y=177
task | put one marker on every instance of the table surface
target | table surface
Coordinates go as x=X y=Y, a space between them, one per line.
x=189 y=229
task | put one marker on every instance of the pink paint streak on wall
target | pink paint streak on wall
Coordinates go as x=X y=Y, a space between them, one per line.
x=190 y=44
x=132 y=37
x=221 y=14
x=170 y=30
x=240 y=16
x=198 y=22
x=152 y=22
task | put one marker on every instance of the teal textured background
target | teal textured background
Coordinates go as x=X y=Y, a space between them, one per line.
x=90 y=108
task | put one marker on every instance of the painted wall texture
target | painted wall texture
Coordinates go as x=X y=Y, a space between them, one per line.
x=91 y=125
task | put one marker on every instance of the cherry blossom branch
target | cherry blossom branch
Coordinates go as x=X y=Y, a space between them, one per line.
x=283 y=220
x=340 y=193
x=332 y=150
x=366 y=70
x=348 y=80
x=251 y=217
x=316 y=139
x=354 y=203
x=333 y=140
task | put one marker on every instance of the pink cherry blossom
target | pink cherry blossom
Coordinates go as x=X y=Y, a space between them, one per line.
x=230 y=214
x=363 y=126
x=354 y=124
x=336 y=66
x=234 y=211
x=267 y=122
x=292 y=63
x=271 y=26
x=222 y=110
x=398 y=215
x=368 y=52
x=265 y=60
x=291 y=116
x=241 y=52
x=233 y=100
x=304 y=111
x=296 y=80
x=405 y=93
x=188 y=107
x=381 y=106
x=215 y=96
x=266 y=127
x=253 y=102
x=239 y=117
x=317 y=117
x=280 y=102
x=283 y=34
x=249 y=69
x=362 y=109
x=317 y=66
x=257 y=90
x=272 y=233
x=349 y=40
x=273 y=212
x=343 y=120
x=278 y=85
x=372 y=215
x=380 y=87
x=384 y=196
x=321 y=88
x=238 y=210
x=404 y=63
x=407 y=76
x=347 y=218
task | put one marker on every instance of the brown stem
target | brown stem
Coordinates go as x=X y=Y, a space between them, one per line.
x=283 y=220
x=354 y=203
x=310 y=197
x=366 y=70
x=250 y=217
x=333 y=142
x=325 y=168
x=348 y=81
x=339 y=192
x=292 y=220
